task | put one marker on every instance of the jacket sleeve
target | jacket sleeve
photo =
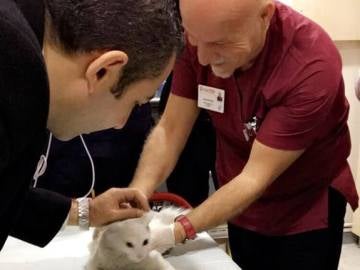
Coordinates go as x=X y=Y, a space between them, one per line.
x=34 y=12
x=33 y=215
x=41 y=217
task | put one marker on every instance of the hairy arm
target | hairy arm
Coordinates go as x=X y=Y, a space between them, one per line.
x=264 y=166
x=165 y=144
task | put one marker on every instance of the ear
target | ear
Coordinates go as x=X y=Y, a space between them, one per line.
x=267 y=12
x=104 y=71
x=107 y=231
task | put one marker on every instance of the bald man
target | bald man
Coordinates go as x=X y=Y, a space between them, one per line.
x=271 y=82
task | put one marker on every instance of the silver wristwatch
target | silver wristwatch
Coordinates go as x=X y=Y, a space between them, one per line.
x=83 y=213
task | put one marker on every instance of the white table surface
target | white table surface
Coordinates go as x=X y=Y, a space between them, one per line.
x=69 y=251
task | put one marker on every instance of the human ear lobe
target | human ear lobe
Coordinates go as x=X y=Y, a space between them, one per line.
x=267 y=12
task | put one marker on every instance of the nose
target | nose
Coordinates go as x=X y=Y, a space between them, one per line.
x=119 y=125
x=122 y=120
x=140 y=257
x=204 y=54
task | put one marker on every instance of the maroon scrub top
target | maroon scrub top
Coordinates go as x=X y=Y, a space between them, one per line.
x=295 y=90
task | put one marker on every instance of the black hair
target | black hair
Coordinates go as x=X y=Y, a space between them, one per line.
x=148 y=31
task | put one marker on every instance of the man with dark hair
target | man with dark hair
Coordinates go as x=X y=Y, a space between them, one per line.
x=99 y=59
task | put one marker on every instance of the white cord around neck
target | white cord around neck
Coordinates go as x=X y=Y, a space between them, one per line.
x=92 y=167
x=42 y=164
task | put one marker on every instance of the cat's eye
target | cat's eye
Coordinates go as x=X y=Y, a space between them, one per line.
x=145 y=242
x=129 y=245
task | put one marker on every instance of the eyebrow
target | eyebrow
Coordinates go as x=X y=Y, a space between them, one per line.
x=213 y=41
x=187 y=32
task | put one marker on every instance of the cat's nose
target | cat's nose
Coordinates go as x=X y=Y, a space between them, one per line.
x=140 y=257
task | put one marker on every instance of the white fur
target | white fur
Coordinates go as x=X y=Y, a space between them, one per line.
x=109 y=249
x=167 y=215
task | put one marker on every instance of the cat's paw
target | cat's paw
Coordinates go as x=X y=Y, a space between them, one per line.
x=162 y=236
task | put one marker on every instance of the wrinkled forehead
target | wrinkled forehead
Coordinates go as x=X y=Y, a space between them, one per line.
x=213 y=20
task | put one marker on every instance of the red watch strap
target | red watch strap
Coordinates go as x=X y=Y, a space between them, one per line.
x=188 y=227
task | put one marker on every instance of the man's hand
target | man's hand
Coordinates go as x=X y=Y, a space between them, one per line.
x=117 y=204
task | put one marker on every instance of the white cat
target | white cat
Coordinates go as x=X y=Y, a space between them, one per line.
x=126 y=245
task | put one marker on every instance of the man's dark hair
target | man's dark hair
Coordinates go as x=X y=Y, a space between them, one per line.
x=148 y=31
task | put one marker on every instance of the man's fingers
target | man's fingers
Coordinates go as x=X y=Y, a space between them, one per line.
x=133 y=196
x=125 y=205
x=123 y=214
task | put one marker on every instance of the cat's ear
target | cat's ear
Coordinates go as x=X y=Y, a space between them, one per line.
x=147 y=217
x=109 y=229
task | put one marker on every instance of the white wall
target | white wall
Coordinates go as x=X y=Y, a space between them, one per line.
x=350 y=52
x=287 y=2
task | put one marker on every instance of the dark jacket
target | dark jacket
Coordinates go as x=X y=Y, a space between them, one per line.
x=33 y=215
x=115 y=154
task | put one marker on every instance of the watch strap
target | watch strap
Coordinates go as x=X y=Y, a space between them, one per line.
x=188 y=227
x=83 y=213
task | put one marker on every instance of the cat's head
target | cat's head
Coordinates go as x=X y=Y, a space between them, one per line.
x=130 y=237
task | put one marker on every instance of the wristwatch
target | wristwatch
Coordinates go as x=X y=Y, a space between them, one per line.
x=188 y=227
x=83 y=213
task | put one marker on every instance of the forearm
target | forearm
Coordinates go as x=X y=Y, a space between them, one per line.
x=264 y=166
x=229 y=201
x=157 y=160
x=73 y=213
x=165 y=144
x=41 y=216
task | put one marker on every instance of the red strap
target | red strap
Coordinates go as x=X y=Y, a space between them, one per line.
x=188 y=227
x=169 y=197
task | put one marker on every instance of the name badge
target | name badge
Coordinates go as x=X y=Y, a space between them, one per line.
x=210 y=98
